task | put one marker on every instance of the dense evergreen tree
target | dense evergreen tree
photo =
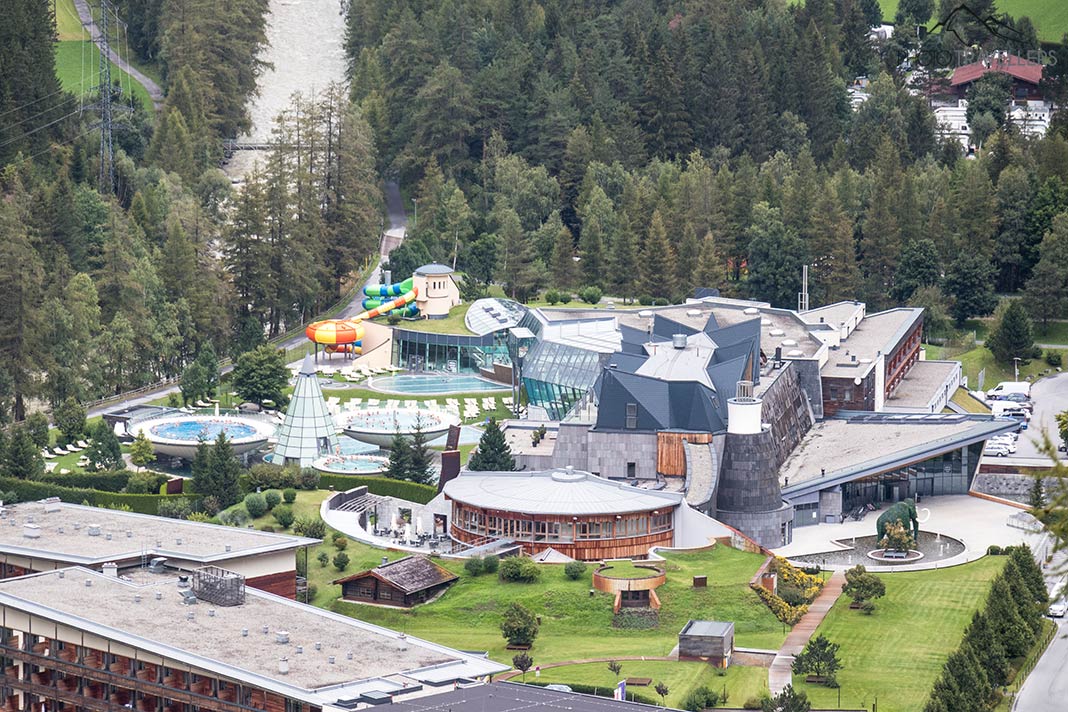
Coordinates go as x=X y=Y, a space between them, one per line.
x=493 y=453
x=775 y=258
x=970 y=281
x=22 y=459
x=1012 y=335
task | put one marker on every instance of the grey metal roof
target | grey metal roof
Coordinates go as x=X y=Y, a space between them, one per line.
x=716 y=629
x=564 y=492
x=513 y=697
x=434 y=269
x=661 y=405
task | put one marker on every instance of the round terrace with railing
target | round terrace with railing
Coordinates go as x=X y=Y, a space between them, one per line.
x=575 y=513
x=179 y=434
x=377 y=426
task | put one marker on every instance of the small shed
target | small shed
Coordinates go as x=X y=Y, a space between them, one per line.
x=404 y=583
x=712 y=641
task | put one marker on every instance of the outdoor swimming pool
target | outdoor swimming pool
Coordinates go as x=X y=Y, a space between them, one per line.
x=377 y=426
x=351 y=464
x=196 y=430
x=426 y=384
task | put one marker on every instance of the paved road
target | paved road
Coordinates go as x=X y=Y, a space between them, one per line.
x=1050 y=396
x=150 y=86
x=1046 y=688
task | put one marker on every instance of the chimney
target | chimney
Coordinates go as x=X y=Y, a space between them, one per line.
x=110 y=569
x=744 y=411
x=778 y=353
x=678 y=341
x=283 y=666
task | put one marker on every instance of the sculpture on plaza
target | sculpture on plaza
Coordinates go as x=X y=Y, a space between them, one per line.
x=903 y=512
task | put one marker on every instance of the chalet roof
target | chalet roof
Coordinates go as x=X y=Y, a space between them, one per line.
x=410 y=574
x=1016 y=67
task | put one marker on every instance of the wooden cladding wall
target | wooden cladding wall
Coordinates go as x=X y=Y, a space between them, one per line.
x=671 y=451
x=586 y=550
x=282 y=584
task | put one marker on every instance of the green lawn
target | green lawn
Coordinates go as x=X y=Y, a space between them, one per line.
x=452 y=324
x=626 y=570
x=76 y=66
x=980 y=358
x=741 y=683
x=897 y=653
x=1049 y=16
x=576 y=625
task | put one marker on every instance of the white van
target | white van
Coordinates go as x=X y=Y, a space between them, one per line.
x=1005 y=387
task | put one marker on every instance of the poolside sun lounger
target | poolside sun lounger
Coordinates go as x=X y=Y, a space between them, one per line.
x=83 y=444
x=64 y=471
x=59 y=451
x=47 y=455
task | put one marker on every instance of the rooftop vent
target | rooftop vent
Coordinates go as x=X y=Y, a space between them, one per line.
x=159 y=595
x=88 y=583
x=157 y=564
x=190 y=616
x=266 y=630
x=93 y=530
x=31 y=531
x=108 y=536
x=750 y=310
x=211 y=613
x=137 y=598
x=178 y=541
x=743 y=389
x=227 y=548
x=281 y=637
x=110 y=569
x=183 y=581
x=189 y=598
x=678 y=341
x=60 y=530
x=693 y=312
x=777 y=332
x=129 y=534
x=318 y=645
x=795 y=353
x=62 y=574
x=348 y=655
x=283 y=666
x=51 y=505
x=645 y=313
x=789 y=342
x=300 y=649
x=330 y=659
x=77 y=526
x=244 y=632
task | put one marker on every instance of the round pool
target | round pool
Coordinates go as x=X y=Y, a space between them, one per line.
x=377 y=426
x=351 y=464
x=179 y=435
x=434 y=384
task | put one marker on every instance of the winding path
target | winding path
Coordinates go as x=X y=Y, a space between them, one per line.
x=153 y=89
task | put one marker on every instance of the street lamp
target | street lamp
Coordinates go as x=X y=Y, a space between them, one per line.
x=415 y=218
x=1016 y=368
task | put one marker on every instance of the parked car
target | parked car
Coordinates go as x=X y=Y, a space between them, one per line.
x=1021 y=398
x=1057 y=609
x=995 y=450
x=1006 y=443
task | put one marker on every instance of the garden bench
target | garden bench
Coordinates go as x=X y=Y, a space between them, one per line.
x=639 y=681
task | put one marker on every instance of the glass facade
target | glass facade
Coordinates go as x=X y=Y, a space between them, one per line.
x=949 y=473
x=549 y=530
x=555 y=375
x=449 y=353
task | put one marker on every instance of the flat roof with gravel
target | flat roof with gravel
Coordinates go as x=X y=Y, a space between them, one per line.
x=876 y=334
x=88 y=535
x=231 y=640
x=922 y=382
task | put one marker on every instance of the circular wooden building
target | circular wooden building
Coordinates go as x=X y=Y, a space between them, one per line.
x=575 y=513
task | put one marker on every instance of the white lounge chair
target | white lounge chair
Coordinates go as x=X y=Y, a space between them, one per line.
x=59 y=451
x=49 y=466
x=64 y=471
x=47 y=455
x=83 y=444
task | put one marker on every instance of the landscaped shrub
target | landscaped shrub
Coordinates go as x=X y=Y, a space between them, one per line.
x=210 y=504
x=1053 y=358
x=323 y=558
x=661 y=302
x=808 y=584
x=700 y=699
x=283 y=514
x=490 y=564
x=519 y=625
x=311 y=527
x=565 y=296
x=144 y=483
x=264 y=476
x=753 y=703
x=994 y=550
x=552 y=296
x=341 y=542
x=474 y=566
x=272 y=498
x=236 y=517
x=341 y=561
x=574 y=570
x=178 y=509
x=791 y=595
x=201 y=517
x=267 y=528
x=33 y=490
x=256 y=505
x=636 y=619
x=781 y=609
x=289 y=495
x=309 y=478
x=602 y=691
x=519 y=569
x=645 y=300
x=591 y=294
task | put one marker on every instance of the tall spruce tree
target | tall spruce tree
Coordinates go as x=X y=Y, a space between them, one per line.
x=657 y=260
x=225 y=470
x=23 y=459
x=493 y=453
x=420 y=458
x=1012 y=336
x=400 y=457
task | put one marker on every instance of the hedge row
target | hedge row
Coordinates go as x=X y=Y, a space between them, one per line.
x=104 y=481
x=381 y=486
x=31 y=490
x=602 y=691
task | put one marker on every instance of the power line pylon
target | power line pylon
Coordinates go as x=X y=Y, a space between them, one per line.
x=107 y=150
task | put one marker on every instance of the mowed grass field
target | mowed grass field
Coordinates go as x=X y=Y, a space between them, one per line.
x=741 y=683
x=576 y=625
x=78 y=59
x=1050 y=17
x=897 y=653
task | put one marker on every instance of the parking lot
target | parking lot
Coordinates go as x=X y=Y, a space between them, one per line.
x=1050 y=396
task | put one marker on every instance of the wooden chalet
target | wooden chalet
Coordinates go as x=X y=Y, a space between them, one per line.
x=405 y=583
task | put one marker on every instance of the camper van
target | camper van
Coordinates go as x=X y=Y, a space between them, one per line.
x=1005 y=387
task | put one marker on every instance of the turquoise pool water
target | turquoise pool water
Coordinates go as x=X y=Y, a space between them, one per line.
x=349 y=446
x=424 y=384
x=195 y=430
x=351 y=464
x=390 y=419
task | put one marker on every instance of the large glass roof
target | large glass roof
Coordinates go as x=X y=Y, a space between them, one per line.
x=488 y=315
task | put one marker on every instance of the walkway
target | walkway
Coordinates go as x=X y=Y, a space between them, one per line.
x=564 y=663
x=780 y=674
x=150 y=86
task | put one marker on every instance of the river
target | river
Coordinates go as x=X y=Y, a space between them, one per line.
x=306 y=46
